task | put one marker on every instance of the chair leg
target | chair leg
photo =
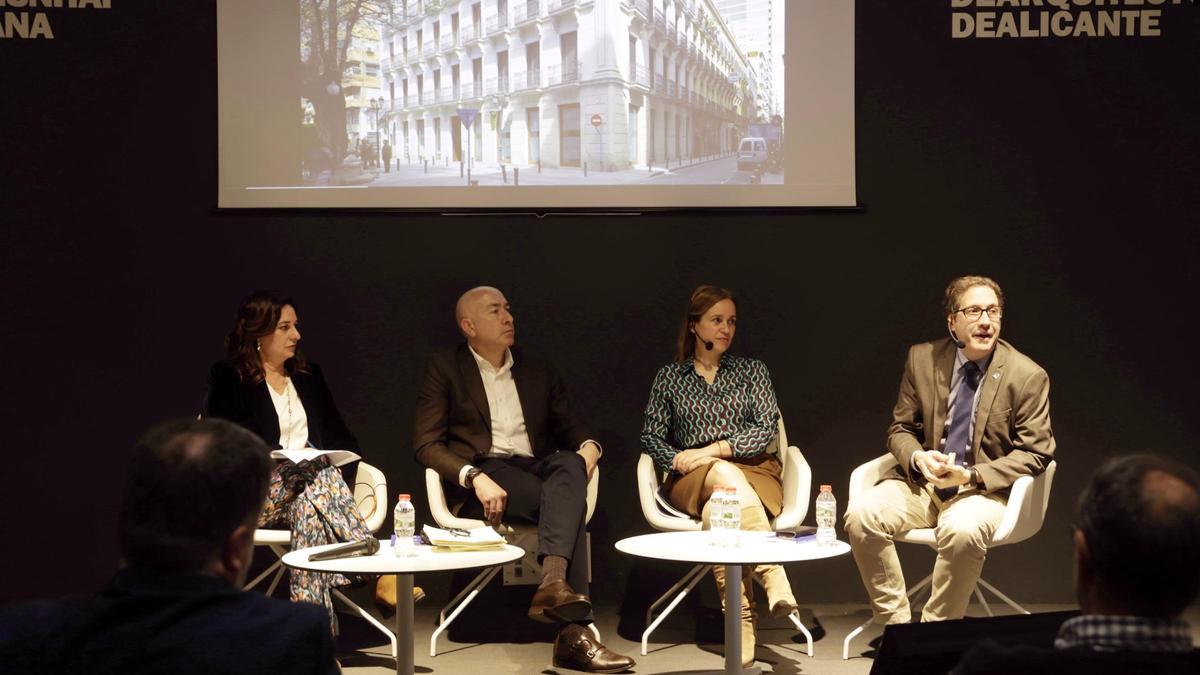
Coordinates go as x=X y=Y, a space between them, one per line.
x=795 y=618
x=983 y=601
x=853 y=634
x=683 y=581
x=595 y=631
x=364 y=614
x=275 y=581
x=688 y=582
x=459 y=603
x=277 y=565
x=927 y=581
x=279 y=551
x=1007 y=600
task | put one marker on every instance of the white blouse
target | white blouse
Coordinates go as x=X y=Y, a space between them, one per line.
x=293 y=422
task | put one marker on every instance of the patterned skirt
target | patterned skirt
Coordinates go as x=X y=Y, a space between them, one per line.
x=314 y=501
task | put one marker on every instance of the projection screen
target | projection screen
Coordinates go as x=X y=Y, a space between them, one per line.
x=539 y=104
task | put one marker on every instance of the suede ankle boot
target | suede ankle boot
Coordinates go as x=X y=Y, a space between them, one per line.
x=779 y=590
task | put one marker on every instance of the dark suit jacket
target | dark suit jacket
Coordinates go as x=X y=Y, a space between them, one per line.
x=154 y=622
x=453 y=424
x=1012 y=437
x=989 y=658
x=249 y=404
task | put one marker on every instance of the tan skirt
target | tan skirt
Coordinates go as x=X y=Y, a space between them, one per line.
x=761 y=471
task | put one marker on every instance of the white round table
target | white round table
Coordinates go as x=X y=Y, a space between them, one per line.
x=756 y=548
x=427 y=559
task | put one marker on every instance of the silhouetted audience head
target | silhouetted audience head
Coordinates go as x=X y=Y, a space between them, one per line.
x=1138 y=538
x=193 y=494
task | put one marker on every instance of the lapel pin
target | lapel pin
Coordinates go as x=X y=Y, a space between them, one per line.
x=995 y=376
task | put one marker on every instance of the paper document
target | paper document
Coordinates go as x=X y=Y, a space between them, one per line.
x=336 y=457
x=478 y=538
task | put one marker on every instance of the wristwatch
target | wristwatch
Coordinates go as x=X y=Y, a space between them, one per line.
x=975 y=480
x=470 y=477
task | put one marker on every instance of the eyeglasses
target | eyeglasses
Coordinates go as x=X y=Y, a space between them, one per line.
x=973 y=312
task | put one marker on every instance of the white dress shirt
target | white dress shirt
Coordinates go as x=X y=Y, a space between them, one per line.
x=509 y=436
x=293 y=421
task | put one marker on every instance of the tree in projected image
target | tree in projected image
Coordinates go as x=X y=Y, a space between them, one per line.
x=328 y=29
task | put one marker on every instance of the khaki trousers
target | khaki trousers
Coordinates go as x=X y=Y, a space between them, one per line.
x=963 y=526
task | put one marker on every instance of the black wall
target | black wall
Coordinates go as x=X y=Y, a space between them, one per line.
x=1064 y=168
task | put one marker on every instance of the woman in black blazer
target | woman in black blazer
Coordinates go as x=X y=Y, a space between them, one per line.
x=267 y=386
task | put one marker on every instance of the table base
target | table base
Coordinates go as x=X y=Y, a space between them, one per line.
x=733 y=624
x=404 y=624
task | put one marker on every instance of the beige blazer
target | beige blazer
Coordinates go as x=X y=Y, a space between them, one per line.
x=1012 y=435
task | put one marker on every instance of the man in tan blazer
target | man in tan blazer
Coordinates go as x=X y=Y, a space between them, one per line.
x=973 y=415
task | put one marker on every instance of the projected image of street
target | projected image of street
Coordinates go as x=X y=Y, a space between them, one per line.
x=414 y=93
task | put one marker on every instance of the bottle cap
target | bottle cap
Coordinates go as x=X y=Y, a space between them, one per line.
x=404 y=496
x=826 y=488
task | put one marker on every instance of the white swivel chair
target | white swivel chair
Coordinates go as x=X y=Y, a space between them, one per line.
x=1023 y=516
x=370 y=493
x=797 y=483
x=447 y=517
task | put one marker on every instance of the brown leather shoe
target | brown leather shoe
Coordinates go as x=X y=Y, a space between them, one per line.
x=557 y=602
x=576 y=648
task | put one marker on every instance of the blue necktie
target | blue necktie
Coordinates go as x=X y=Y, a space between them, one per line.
x=958 y=441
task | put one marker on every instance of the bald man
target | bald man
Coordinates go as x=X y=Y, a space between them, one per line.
x=496 y=422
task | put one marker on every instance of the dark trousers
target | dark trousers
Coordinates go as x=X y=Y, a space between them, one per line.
x=551 y=492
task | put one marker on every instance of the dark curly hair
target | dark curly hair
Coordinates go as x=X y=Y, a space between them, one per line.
x=257 y=317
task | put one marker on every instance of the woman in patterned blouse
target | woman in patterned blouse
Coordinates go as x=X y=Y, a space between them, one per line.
x=712 y=421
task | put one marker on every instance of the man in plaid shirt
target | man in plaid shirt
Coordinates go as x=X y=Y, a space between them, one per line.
x=1137 y=568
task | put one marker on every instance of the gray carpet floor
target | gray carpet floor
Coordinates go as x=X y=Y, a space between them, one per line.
x=672 y=650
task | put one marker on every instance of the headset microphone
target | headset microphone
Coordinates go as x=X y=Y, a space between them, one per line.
x=958 y=343
x=708 y=345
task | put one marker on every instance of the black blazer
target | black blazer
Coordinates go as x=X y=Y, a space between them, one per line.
x=249 y=404
x=154 y=623
x=453 y=423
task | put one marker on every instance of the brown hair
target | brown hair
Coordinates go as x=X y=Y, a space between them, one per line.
x=702 y=300
x=256 y=317
x=956 y=288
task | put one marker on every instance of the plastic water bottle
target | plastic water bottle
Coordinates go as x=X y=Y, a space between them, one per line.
x=733 y=517
x=716 y=517
x=826 y=515
x=405 y=517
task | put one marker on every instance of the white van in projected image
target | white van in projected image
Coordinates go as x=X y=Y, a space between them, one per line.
x=752 y=154
x=452 y=104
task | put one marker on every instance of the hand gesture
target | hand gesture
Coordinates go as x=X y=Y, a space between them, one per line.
x=687 y=461
x=932 y=464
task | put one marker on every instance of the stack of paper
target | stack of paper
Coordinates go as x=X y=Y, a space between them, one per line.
x=480 y=538
x=336 y=457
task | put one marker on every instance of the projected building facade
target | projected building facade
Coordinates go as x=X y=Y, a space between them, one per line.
x=755 y=25
x=613 y=84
